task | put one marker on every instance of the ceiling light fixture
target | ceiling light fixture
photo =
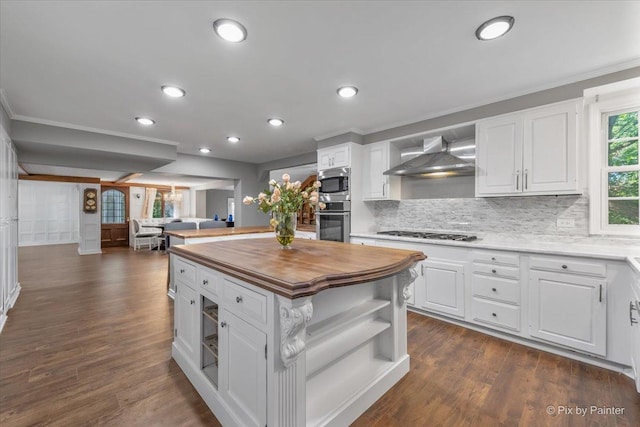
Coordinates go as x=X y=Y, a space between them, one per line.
x=233 y=139
x=205 y=150
x=494 y=28
x=145 y=121
x=275 y=122
x=173 y=91
x=230 y=30
x=347 y=91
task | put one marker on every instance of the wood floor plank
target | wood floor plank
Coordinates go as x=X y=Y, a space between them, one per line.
x=89 y=343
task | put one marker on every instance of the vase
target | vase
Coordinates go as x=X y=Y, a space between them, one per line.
x=285 y=228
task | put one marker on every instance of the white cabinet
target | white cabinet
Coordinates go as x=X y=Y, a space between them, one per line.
x=243 y=369
x=634 y=319
x=442 y=287
x=529 y=152
x=378 y=158
x=568 y=308
x=338 y=156
x=9 y=286
x=186 y=333
x=495 y=289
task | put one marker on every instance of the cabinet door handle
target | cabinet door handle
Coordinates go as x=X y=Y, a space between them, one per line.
x=238 y=300
x=526 y=179
x=564 y=266
x=600 y=297
x=632 y=307
x=494 y=289
x=518 y=179
x=223 y=324
x=422 y=269
x=182 y=271
x=494 y=315
x=205 y=282
x=494 y=271
x=493 y=258
x=383 y=188
x=193 y=302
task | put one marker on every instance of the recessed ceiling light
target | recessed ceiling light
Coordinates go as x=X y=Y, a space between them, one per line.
x=347 y=91
x=230 y=30
x=494 y=28
x=173 y=91
x=145 y=121
x=233 y=139
x=205 y=150
x=275 y=122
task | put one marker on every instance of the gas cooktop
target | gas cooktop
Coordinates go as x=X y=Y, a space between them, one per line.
x=430 y=235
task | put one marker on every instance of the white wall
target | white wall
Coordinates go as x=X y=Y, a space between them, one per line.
x=48 y=213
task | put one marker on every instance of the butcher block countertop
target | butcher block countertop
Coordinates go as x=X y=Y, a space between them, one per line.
x=308 y=268
x=218 y=232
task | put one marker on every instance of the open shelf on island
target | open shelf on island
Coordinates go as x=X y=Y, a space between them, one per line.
x=342 y=320
x=209 y=340
x=333 y=348
x=211 y=312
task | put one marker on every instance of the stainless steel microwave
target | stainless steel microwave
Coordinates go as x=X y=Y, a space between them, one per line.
x=334 y=181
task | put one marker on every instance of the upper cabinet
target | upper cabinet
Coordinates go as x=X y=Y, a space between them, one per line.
x=378 y=158
x=338 y=156
x=532 y=152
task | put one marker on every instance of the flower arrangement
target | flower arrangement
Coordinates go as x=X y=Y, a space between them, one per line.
x=283 y=200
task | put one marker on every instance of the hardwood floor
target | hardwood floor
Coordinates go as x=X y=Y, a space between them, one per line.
x=89 y=343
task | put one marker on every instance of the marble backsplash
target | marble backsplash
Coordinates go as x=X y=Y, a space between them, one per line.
x=513 y=215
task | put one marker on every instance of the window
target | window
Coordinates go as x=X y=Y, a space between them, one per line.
x=163 y=208
x=622 y=195
x=113 y=207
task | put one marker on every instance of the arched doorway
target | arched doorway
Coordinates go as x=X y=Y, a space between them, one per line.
x=115 y=217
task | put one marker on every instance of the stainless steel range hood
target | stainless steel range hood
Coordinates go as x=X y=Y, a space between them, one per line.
x=434 y=161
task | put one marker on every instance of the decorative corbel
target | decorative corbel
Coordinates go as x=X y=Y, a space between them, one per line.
x=293 y=322
x=406 y=278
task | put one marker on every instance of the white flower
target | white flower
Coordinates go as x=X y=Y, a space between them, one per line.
x=317 y=184
x=297 y=184
x=272 y=183
x=247 y=200
x=321 y=205
x=286 y=177
x=262 y=197
x=305 y=195
x=313 y=199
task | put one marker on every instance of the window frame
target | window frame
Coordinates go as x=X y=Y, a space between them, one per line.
x=601 y=107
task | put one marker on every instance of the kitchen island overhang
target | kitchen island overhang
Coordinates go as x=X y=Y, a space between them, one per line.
x=332 y=317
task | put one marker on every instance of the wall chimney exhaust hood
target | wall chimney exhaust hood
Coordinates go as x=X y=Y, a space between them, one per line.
x=435 y=160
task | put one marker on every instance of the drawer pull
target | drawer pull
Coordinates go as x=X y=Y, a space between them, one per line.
x=600 y=297
x=494 y=271
x=564 y=266
x=632 y=307
x=192 y=302
x=223 y=324
x=494 y=315
x=494 y=289
x=238 y=300
x=205 y=282
x=493 y=258
x=182 y=271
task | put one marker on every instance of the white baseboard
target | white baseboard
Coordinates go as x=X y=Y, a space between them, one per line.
x=3 y=319
x=91 y=252
x=13 y=297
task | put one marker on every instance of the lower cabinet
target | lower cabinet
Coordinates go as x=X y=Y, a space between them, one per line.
x=243 y=369
x=442 y=289
x=568 y=309
x=222 y=340
x=186 y=330
x=634 y=319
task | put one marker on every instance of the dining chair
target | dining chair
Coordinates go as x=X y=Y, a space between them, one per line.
x=145 y=235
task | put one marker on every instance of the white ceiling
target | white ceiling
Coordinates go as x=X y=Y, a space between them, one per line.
x=98 y=64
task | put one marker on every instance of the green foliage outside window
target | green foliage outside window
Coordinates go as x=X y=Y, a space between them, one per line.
x=623 y=151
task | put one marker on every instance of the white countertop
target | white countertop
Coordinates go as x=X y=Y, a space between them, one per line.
x=605 y=248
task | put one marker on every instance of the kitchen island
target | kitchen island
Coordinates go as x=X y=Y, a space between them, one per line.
x=308 y=336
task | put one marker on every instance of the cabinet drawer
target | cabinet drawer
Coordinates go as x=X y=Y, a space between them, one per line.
x=497 y=288
x=208 y=279
x=184 y=272
x=246 y=303
x=497 y=258
x=496 y=270
x=496 y=314
x=568 y=265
